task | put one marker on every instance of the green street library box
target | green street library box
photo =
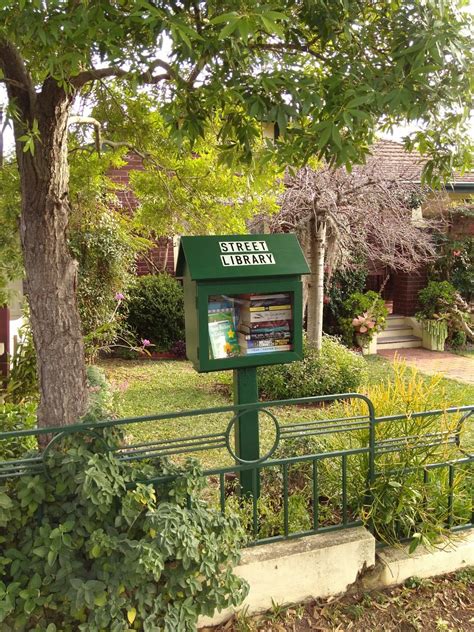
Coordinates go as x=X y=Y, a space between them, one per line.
x=242 y=300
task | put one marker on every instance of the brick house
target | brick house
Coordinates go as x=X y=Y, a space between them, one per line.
x=401 y=291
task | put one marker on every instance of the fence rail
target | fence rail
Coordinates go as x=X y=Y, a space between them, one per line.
x=314 y=475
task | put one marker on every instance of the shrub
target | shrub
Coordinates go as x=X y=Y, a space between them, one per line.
x=435 y=299
x=110 y=552
x=334 y=369
x=343 y=283
x=16 y=417
x=404 y=506
x=101 y=400
x=455 y=264
x=363 y=316
x=22 y=382
x=156 y=310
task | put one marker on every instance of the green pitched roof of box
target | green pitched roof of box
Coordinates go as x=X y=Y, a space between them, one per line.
x=237 y=256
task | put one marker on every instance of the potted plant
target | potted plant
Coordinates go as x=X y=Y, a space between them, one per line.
x=365 y=316
x=366 y=333
x=436 y=301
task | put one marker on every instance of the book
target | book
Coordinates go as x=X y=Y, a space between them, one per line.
x=266 y=316
x=265 y=327
x=265 y=335
x=266 y=302
x=269 y=349
x=267 y=308
x=279 y=296
x=265 y=342
x=222 y=335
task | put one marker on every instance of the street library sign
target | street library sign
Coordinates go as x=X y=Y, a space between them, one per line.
x=245 y=253
x=243 y=300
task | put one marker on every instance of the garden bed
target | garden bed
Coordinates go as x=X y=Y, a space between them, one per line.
x=442 y=604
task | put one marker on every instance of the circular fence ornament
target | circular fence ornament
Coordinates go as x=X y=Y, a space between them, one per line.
x=265 y=456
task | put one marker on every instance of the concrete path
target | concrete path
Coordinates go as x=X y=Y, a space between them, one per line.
x=431 y=362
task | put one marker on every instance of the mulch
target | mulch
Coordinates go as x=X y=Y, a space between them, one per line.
x=443 y=604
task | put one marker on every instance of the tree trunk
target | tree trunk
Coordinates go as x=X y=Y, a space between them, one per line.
x=50 y=270
x=317 y=231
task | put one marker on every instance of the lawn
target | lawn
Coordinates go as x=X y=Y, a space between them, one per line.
x=147 y=387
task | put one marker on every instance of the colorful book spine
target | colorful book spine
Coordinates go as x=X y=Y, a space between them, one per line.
x=277 y=332
x=269 y=349
x=268 y=308
x=267 y=316
x=267 y=327
x=267 y=342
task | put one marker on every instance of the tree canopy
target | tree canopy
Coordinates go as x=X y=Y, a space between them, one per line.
x=329 y=73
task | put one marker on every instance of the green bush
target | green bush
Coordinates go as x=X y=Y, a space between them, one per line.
x=101 y=400
x=343 y=283
x=16 y=417
x=88 y=547
x=22 y=384
x=333 y=370
x=357 y=305
x=435 y=299
x=156 y=310
x=455 y=263
x=105 y=249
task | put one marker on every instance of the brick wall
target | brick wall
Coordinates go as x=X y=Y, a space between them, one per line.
x=406 y=286
x=161 y=257
x=462 y=227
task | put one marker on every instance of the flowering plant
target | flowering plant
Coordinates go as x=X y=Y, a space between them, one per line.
x=363 y=323
x=365 y=315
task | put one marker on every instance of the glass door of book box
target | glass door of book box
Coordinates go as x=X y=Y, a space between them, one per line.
x=250 y=324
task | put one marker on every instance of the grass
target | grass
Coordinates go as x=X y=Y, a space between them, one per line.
x=146 y=387
x=457 y=393
x=467 y=353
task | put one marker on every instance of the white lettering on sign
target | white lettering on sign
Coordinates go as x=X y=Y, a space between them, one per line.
x=248 y=260
x=243 y=246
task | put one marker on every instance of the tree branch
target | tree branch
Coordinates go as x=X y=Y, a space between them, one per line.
x=17 y=78
x=13 y=82
x=114 y=71
x=283 y=46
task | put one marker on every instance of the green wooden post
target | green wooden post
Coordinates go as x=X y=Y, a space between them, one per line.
x=247 y=444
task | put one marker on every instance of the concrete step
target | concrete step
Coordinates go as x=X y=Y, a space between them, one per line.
x=395 y=320
x=400 y=330
x=398 y=342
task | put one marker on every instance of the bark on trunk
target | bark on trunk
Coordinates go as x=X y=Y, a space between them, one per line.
x=50 y=269
x=318 y=232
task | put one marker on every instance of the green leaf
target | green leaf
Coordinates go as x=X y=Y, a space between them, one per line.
x=5 y=501
x=100 y=599
x=325 y=135
x=336 y=136
x=272 y=27
x=131 y=615
x=229 y=29
x=225 y=17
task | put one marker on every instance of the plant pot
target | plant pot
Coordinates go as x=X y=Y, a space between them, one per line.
x=434 y=334
x=368 y=348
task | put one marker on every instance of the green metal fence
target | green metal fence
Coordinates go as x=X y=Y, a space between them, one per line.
x=315 y=473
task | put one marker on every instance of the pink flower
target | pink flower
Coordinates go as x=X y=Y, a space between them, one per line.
x=119 y=296
x=456 y=253
x=363 y=323
x=146 y=342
